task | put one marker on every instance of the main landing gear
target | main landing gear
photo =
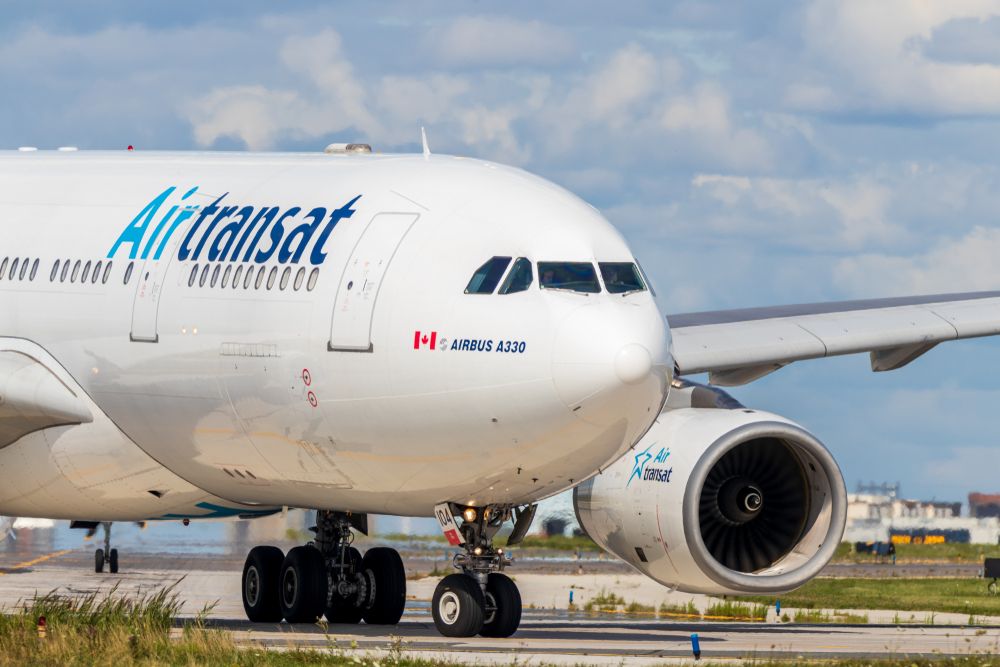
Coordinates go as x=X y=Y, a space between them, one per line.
x=479 y=600
x=327 y=577
x=107 y=555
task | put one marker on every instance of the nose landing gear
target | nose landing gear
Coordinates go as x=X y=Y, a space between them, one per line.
x=325 y=577
x=481 y=599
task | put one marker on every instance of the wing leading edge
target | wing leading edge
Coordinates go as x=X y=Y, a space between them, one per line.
x=739 y=346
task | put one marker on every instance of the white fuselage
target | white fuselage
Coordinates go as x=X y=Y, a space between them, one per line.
x=212 y=394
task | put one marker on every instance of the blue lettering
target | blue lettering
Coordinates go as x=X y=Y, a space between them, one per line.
x=137 y=228
x=305 y=231
x=276 y=233
x=211 y=209
x=228 y=234
x=267 y=215
x=317 y=256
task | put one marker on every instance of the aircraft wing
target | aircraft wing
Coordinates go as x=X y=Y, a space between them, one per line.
x=739 y=346
x=33 y=398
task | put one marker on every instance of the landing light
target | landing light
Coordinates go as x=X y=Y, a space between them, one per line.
x=469 y=514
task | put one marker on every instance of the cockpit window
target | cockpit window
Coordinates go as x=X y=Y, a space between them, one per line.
x=621 y=277
x=575 y=276
x=519 y=279
x=487 y=276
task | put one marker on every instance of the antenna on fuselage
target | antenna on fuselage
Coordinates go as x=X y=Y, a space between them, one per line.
x=423 y=139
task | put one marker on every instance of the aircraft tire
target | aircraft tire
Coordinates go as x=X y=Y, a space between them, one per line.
x=113 y=561
x=457 y=606
x=341 y=609
x=503 y=596
x=99 y=561
x=302 y=588
x=387 y=572
x=260 y=584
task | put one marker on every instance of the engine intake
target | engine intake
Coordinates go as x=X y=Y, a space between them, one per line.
x=750 y=502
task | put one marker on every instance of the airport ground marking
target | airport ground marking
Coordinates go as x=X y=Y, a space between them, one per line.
x=35 y=561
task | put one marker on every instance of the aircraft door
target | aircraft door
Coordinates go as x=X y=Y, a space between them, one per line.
x=152 y=277
x=359 y=285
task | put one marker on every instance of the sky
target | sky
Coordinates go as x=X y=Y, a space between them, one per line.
x=751 y=153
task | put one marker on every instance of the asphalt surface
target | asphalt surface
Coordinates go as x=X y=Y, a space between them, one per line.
x=547 y=636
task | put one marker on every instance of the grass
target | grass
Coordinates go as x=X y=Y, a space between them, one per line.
x=924 y=553
x=734 y=610
x=559 y=543
x=687 y=610
x=817 y=616
x=965 y=596
x=606 y=602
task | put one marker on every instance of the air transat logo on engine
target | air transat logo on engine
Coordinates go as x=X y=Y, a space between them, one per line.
x=651 y=473
x=236 y=233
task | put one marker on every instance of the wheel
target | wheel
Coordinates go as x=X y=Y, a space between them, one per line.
x=389 y=577
x=303 y=585
x=113 y=561
x=345 y=609
x=503 y=607
x=457 y=606
x=99 y=561
x=260 y=584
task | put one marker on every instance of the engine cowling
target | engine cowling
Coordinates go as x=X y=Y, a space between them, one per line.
x=720 y=501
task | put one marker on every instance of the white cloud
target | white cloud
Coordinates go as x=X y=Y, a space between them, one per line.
x=963 y=264
x=470 y=41
x=867 y=55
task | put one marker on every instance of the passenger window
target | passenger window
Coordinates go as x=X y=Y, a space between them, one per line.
x=299 y=277
x=107 y=272
x=519 y=278
x=204 y=276
x=97 y=273
x=313 y=277
x=237 y=276
x=249 y=278
x=24 y=268
x=260 y=278
x=194 y=275
x=225 y=274
x=76 y=271
x=215 y=274
x=86 y=272
x=13 y=268
x=3 y=267
x=573 y=276
x=271 y=276
x=621 y=277
x=34 y=270
x=128 y=273
x=55 y=272
x=487 y=276
x=285 y=275
x=65 y=271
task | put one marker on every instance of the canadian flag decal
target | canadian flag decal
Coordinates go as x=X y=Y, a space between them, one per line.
x=421 y=339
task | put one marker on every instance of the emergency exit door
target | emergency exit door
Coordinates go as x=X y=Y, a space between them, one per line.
x=366 y=269
x=152 y=274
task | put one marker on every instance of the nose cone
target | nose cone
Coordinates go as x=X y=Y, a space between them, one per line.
x=633 y=363
x=611 y=363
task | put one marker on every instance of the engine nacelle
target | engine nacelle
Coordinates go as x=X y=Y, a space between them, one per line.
x=720 y=501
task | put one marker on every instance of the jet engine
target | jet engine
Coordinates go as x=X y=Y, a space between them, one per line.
x=719 y=499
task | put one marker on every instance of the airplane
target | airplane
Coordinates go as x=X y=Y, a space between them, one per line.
x=200 y=335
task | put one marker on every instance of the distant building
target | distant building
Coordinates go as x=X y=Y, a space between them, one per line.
x=880 y=515
x=982 y=505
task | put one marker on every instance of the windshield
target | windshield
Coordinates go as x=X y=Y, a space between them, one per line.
x=519 y=279
x=621 y=277
x=487 y=276
x=575 y=276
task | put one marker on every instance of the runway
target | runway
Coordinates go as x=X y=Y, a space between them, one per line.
x=546 y=636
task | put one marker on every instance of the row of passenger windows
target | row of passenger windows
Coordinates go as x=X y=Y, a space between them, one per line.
x=618 y=277
x=67 y=270
x=214 y=274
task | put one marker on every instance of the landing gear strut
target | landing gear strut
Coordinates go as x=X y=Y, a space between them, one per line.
x=107 y=555
x=327 y=577
x=481 y=599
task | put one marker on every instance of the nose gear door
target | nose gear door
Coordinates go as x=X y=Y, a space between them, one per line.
x=359 y=286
